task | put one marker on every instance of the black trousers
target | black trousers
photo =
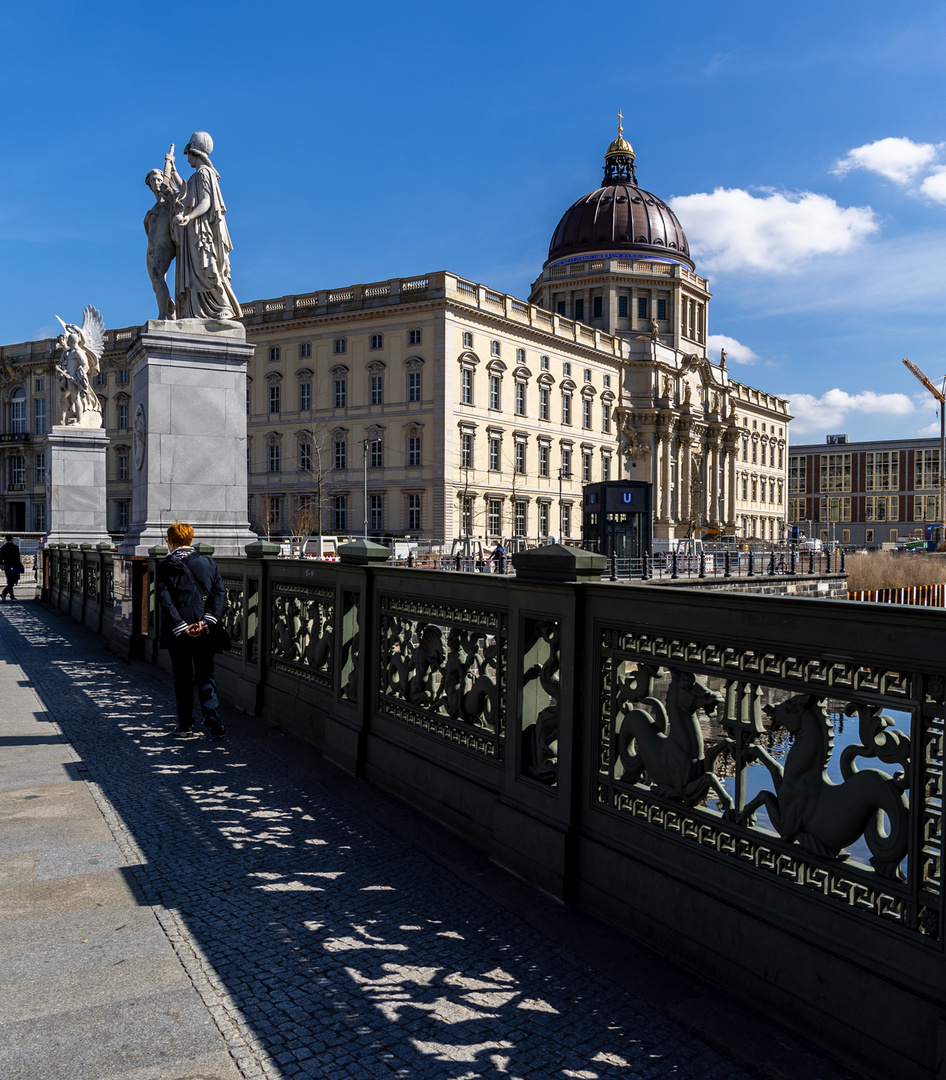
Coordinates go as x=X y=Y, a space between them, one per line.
x=192 y=664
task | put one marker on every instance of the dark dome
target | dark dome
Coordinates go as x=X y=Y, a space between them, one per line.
x=620 y=216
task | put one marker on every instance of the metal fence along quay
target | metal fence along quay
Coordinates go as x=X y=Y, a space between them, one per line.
x=750 y=783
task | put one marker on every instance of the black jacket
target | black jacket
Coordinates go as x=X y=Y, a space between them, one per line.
x=10 y=556
x=182 y=601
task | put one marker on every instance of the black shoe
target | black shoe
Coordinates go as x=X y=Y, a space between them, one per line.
x=184 y=728
x=213 y=725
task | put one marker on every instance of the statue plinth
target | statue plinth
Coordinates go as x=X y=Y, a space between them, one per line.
x=75 y=473
x=189 y=428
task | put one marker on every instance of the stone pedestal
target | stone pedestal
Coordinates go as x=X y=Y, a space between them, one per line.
x=76 y=466
x=189 y=422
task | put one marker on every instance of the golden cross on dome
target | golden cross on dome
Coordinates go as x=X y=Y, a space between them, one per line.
x=620 y=122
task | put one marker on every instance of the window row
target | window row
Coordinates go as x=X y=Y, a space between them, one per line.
x=494 y=520
x=340 y=395
x=758 y=454
x=340 y=345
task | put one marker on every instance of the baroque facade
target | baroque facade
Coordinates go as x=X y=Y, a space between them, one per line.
x=438 y=408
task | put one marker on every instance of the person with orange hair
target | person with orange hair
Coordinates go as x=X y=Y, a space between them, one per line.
x=191 y=594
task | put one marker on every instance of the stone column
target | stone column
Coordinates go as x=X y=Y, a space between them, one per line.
x=75 y=475
x=189 y=409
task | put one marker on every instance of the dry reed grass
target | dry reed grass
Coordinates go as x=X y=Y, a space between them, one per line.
x=893 y=570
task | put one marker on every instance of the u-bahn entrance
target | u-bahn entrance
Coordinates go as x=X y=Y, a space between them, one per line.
x=616 y=518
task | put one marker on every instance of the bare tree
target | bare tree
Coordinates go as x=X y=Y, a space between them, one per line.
x=264 y=512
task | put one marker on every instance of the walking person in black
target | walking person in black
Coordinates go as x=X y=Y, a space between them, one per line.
x=191 y=595
x=12 y=567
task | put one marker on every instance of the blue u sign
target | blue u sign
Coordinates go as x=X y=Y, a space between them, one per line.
x=627 y=496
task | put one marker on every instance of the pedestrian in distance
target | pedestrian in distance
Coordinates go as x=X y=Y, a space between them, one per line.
x=498 y=557
x=12 y=566
x=191 y=594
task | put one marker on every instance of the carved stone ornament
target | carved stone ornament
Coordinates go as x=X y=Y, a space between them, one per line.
x=138 y=437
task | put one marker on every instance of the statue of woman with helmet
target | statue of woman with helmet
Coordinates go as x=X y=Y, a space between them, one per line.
x=202 y=277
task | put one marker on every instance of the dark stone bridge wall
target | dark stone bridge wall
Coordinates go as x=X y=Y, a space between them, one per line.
x=621 y=747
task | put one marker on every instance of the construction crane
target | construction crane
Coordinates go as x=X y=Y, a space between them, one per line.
x=940 y=396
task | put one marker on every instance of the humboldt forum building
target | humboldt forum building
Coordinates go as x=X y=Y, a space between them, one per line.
x=434 y=407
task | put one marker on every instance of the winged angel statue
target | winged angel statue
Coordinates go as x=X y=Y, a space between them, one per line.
x=82 y=348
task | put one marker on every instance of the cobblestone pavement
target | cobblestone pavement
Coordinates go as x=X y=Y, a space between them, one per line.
x=323 y=943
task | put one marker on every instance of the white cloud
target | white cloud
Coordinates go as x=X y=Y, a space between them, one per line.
x=735 y=350
x=829 y=412
x=897 y=159
x=934 y=186
x=732 y=229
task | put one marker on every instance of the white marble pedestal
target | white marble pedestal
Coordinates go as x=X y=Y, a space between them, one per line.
x=76 y=466
x=189 y=422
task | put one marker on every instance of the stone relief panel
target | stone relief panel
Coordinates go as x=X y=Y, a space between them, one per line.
x=303 y=632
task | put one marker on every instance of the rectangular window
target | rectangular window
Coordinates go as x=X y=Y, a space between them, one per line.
x=882 y=471
x=579 y=309
x=605 y=417
x=926 y=508
x=560 y=307
x=543 y=519
x=340 y=513
x=376 y=341
x=340 y=391
x=122 y=414
x=39 y=463
x=305 y=456
x=596 y=307
x=586 y=413
x=495 y=348
x=494 y=517
x=376 y=454
x=122 y=466
x=566 y=464
x=376 y=513
x=275 y=456
x=340 y=454
x=881 y=508
x=662 y=310
x=835 y=472
x=520 y=519
x=274 y=398
x=413 y=450
x=413 y=386
x=926 y=470
x=494 y=400
x=622 y=307
x=39 y=517
x=466 y=386
x=586 y=468
x=642 y=307
x=520 y=399
x=18 y=413
x=99 y=379
x=544 y=461
x=122 y=515
x=494 y=445
x=566 y=519
x=606 y=467
x=796 y=510
x=38 y=385
x=274 y=353
x=305 y=350
x=413 y=513
x=340 y=346
x=377 y=389
x=414 y=338
x=466 y=451
x=122 y=375
x=305 y=396
x=521 y=458
x=39 y=416
x=466 y=515
x=543 y=403
x=18 y=471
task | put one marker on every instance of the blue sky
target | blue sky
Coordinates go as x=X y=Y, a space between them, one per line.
x=803 y=147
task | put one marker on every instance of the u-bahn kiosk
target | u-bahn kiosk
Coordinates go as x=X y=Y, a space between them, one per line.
x=616 y=518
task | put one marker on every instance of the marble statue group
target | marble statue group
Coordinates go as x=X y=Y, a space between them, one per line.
x=188 y=224
x=81 y=349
